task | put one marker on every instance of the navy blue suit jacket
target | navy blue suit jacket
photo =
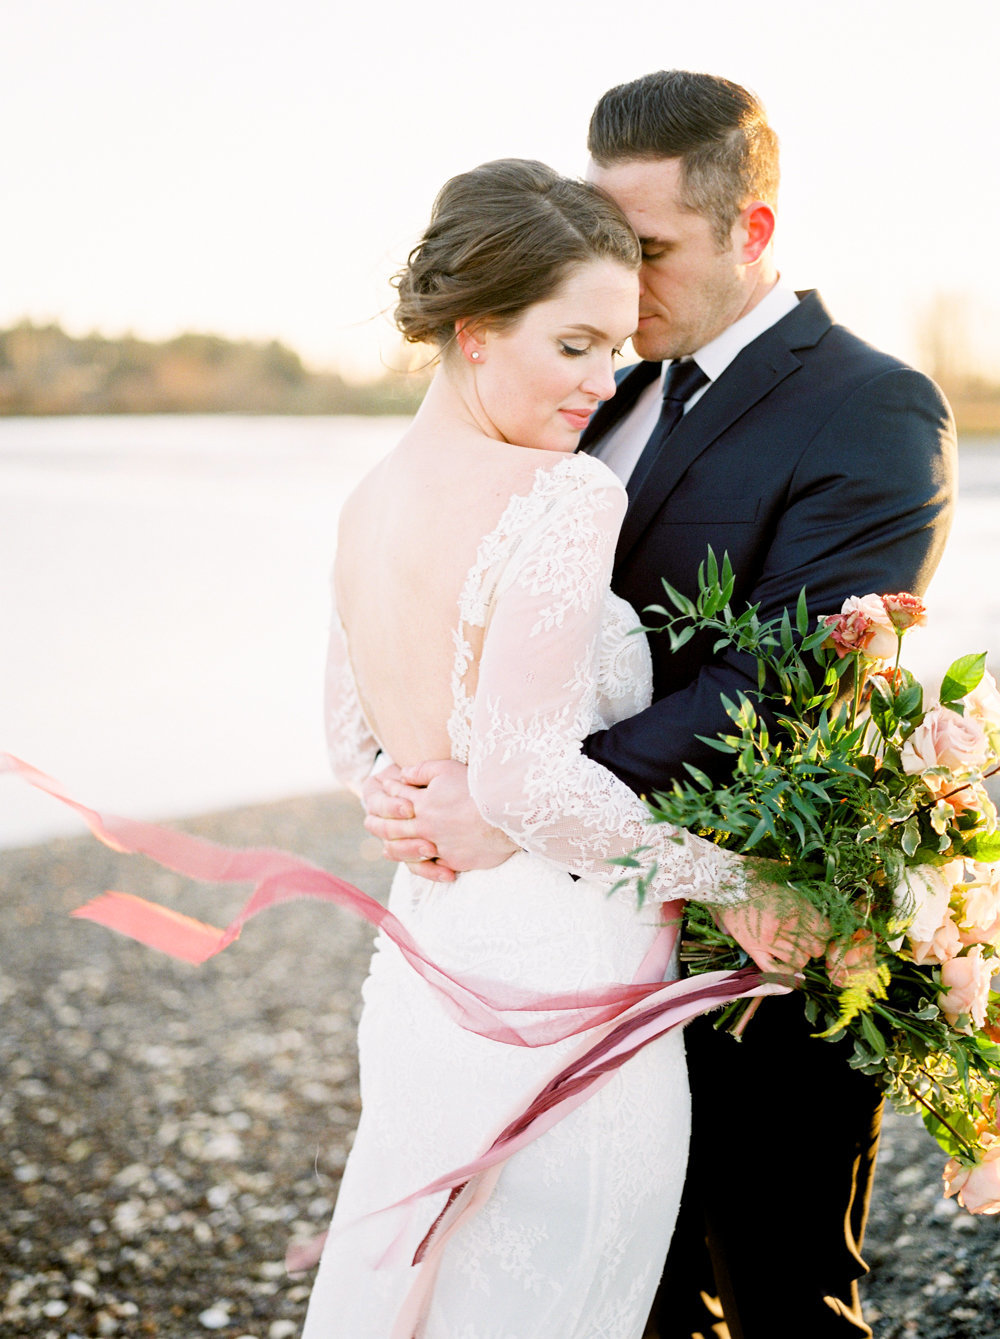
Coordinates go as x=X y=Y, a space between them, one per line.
x=814 y=460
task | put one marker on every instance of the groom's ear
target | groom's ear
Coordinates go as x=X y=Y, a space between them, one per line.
x=756 y=223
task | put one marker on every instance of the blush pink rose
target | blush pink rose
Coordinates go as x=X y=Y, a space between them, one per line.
x=905 y=610
x=863 y=627
x=923 y=896
x=977 y=1188
x=944 y=739
x=983 y=703
x=967 y=982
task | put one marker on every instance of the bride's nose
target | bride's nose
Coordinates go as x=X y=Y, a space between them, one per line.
x=600 y=381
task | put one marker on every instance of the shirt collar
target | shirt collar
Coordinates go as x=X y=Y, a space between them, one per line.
x=715 y=356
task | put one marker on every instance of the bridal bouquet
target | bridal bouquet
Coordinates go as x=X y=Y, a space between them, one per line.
x=870 y=802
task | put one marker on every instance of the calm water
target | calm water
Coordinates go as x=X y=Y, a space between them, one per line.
x=164 y=595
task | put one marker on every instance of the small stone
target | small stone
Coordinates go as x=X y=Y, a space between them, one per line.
x=282 y=1329
x=54 y=1309
x=945 y=1209
x=215 y=1317
x=271 y=1269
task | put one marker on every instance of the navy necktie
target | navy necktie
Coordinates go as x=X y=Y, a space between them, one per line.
x=680 y=383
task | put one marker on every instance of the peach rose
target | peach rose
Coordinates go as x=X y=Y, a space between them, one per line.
x=905 y=610
x=979 y=918
x=971 y=796
x=944 y=739
x=977 y=1188
x=863 y=627
x=968 y=986
x=944 y=944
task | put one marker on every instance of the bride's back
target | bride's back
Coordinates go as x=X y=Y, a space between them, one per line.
x=526 y=284
x=408 y=537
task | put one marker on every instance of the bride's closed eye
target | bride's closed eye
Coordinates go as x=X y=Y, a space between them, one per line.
x=571 y=351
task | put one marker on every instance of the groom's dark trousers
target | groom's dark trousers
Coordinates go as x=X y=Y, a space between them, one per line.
x=815 y=461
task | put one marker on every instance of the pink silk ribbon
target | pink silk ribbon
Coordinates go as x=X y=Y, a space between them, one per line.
x=629 y=1016
x=279 y=876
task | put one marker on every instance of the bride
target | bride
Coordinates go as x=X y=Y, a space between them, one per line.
x=475 y=621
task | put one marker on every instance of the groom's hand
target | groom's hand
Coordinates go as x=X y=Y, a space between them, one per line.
x=425 y=816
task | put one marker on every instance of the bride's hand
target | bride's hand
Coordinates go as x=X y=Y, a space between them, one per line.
x=778 y=929
x=425 y=816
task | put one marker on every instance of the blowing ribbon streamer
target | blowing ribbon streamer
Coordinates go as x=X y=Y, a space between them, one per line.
x=627 y=1017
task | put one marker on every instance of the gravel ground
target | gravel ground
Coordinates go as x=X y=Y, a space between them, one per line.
x=166 y=1130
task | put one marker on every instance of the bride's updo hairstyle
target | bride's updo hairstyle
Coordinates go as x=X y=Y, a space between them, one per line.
x=501 y=238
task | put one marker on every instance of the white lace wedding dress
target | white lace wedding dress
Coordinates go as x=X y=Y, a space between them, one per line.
x=570 y=1244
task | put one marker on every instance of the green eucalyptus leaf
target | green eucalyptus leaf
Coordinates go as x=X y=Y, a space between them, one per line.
x=802 y=614
x=679 y=601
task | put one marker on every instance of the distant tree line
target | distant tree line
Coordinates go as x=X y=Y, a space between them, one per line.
x=948 y=340
x=43 y=370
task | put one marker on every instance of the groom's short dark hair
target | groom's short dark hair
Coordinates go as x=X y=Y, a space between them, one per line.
x=717 y=128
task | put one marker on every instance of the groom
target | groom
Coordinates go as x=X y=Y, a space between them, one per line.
x=813 y=460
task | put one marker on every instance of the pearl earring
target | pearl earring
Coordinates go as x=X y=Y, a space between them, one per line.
x=473 y=354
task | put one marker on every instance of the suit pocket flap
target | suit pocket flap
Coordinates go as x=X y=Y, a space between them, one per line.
x=711 y=511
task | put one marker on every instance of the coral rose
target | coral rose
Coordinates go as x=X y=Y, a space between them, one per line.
x=863 y=627
x=968 y=986
x=977 y=1188
x=905 y=610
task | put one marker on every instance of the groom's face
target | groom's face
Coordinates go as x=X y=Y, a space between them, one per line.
x=691 y=287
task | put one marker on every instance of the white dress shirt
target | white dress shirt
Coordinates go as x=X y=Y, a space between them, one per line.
x=624 y=444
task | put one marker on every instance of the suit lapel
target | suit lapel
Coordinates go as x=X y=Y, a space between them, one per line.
x=751 y=376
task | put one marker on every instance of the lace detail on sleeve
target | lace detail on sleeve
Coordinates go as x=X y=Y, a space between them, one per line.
x=351 y=746
x=535 y=703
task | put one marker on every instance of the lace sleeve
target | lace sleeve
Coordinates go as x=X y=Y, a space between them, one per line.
x=534 y=705
x=351 y=746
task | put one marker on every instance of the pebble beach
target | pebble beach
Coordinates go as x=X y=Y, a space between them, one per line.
x=168 y=1130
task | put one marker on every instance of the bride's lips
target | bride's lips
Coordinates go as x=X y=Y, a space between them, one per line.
x=577 y=418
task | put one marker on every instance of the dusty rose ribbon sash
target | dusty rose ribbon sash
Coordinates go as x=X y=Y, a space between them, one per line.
x=677 y=1003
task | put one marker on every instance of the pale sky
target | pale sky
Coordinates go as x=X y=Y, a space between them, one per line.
x=260 y=169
